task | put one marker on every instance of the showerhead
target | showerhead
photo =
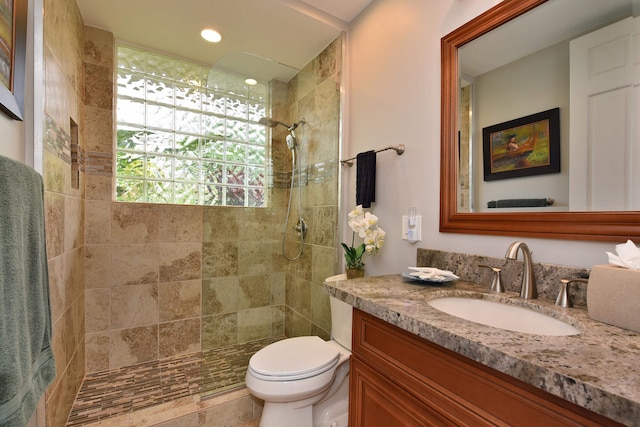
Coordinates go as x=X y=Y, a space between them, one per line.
x=268 y=121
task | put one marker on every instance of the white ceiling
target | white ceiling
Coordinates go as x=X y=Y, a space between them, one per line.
x=261 y=38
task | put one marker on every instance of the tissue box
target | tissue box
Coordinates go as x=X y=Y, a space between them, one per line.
x=613 y=296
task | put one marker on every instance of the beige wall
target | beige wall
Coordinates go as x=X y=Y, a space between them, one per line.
x=64 y=204
x=394 y=96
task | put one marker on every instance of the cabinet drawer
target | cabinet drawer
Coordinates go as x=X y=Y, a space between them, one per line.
x=456 y=385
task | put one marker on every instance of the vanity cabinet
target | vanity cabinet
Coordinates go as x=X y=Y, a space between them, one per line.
x=400 y=379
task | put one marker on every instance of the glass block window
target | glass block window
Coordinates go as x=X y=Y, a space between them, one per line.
x=187 y=134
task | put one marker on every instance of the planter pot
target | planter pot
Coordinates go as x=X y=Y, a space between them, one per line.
x=355 y=273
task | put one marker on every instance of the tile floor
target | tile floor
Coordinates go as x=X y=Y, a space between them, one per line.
x=108 y=394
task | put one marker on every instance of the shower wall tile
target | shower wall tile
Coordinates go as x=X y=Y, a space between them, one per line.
x=296 y=325
x=97 y=352
x=179 y=337
x=98 y=187
x=74 y=223
x=254 y=291
x=99 y=124
x=254 y=324
x=59 y=295
x=220 y=258
x=179 y=261
x=254 y=257
x=277 y=283
x=278 y=320
x=221 y=223
x=135 y=305
x=98 y=90
x=180 y=223
x=220 y=330
x=132 y=346
x=97 y=222
x=98 y=47
x=98 y=309
x=231 y=413
x=134 y=264
x=323 y=263
x=97 y=265
x=54 y=218
x=320 y=308
x=220 y=295
x=134 y=223
x=179 y=300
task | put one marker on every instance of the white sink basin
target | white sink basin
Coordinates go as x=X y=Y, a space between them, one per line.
x=503 y=316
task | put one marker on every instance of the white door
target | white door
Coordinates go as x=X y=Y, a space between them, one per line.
x=604 y=132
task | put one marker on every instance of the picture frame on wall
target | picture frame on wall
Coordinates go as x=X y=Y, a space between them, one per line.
x=13 y=41
x=522 y=147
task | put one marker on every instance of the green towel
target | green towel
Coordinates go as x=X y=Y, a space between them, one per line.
x=27 y=366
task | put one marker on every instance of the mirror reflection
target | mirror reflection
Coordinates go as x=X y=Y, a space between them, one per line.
x=573 y=55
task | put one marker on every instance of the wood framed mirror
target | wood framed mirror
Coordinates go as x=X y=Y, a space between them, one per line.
x=600 y=225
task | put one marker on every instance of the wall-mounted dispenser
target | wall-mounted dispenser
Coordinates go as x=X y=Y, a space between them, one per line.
x=412 y=226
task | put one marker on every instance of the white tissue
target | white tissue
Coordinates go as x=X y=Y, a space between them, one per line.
x=432 y=273
x=628 y=256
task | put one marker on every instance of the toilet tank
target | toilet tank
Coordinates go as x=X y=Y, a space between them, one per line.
x=341 y=317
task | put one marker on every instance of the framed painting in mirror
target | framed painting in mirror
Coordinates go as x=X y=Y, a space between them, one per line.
x=522 y=147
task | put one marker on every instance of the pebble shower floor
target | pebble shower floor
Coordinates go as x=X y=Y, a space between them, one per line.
x=120 y=391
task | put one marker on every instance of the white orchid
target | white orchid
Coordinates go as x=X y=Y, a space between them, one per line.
x=362 y=223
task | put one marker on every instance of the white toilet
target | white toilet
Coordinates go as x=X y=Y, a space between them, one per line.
x=304 y=381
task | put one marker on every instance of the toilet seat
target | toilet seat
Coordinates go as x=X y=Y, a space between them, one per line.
x=294 y=359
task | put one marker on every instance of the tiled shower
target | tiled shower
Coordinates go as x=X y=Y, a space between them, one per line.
x=138 y=283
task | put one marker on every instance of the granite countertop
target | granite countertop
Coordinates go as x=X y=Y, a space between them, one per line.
x=599 y=369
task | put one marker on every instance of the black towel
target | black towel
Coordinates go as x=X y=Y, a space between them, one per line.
x=366 y=179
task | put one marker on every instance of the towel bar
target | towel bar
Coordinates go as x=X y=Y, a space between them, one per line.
x=399 y=149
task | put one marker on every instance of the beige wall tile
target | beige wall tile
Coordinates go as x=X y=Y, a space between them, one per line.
x=220 y=295
x=254 y=257
x=98 y=309
x=97 y=352
x=134 y=305
x=219 y=331
x=132 y=346
x=180 y=223
x=219 y=259
x=98 y=129
x=179 y=337
x=99 y=187
x=97 y=264
x=221 y=223
x=97 y=222
x=179 y=300
x=98 y=46
x=254 y=324
x=228 y=414
x=134 y=264
x=134 y=223
x=180 y=261
x=55 y=224
x=254 y=291
x=57 y=291
x=99 y=86
x=74 y=223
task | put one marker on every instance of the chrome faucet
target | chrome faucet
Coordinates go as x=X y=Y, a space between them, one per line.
x=528 y=289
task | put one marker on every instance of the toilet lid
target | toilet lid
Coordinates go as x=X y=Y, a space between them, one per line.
x=294 y=358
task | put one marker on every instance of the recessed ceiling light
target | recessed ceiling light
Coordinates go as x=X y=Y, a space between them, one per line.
x=251 y=82
x=211 y=35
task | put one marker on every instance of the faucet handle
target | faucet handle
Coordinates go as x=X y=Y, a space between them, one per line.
x=564 y=300
x=496 y=284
